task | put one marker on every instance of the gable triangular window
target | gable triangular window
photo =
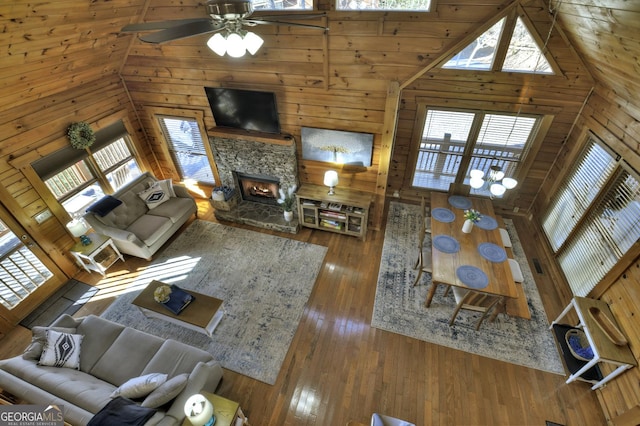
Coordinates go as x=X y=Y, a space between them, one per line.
x=523 y=54
x=507 y=46
x=480 y=53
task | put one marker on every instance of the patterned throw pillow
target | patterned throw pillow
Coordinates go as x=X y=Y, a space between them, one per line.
x=154 y=195
x=39 y=338
x=139 y=386
x=61 y=350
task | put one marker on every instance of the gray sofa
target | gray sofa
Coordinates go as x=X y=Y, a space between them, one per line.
x=137 y=229
x=110 y=354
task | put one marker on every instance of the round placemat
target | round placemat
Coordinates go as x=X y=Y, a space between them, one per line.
x=443 y=215
x=472 y=276
x=487 y=223
x=492 y=252
x=460 y=202
x=446 y=244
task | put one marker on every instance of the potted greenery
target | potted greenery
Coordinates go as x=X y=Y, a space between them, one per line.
x=471 y=216
x=287 y=201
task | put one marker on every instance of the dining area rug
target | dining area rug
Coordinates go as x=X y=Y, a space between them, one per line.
x=399 y=306
x=264 y=281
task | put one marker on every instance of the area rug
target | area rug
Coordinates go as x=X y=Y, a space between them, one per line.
x=67 y=300
x=264 y=281
x=399 y=307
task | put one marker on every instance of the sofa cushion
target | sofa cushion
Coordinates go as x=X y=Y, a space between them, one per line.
x=61 y=350
x=154 y=196
x=166 y=391
x=99 y=334
x=122 y=411
x=75 y=386
x=39 y=338
x=176 y=358
x=140 y=386
x=167 y=185
x=127 y=357
x=104 y=205
x=174 y=208
x=150 y=228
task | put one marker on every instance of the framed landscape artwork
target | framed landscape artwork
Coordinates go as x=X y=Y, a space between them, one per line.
x=337 y=146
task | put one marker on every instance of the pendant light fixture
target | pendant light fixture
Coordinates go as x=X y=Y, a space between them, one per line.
x=235 y=43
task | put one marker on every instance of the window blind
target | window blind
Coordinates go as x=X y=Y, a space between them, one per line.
x=593 y=168
x=609 y=230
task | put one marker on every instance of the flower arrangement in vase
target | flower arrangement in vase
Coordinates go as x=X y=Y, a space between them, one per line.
x=287 y=200
x=471 y=216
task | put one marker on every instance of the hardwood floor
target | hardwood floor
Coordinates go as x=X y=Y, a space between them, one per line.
x=339 y=369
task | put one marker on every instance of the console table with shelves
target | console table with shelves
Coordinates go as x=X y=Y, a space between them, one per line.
x=345 y=212
x=604 y=349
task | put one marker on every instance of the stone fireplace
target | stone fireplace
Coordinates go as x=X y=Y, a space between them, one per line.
x=256 y=166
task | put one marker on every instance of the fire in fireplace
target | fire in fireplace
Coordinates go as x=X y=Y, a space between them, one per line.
x=258 y=188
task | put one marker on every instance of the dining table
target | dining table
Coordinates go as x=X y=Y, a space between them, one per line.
x=474 y=260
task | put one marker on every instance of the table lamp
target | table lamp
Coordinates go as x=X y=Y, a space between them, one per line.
x=331 y=180
x=78 y=228
x=199 y=410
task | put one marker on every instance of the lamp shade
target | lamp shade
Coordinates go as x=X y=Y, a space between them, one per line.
x=497 y=189
x=476 y=174
x=199 y=410
x=476 y=183
x=77 y=227
x=252 y=42
x=235 y=45
x=218 y=44
x=331 y=178
x=509 y=183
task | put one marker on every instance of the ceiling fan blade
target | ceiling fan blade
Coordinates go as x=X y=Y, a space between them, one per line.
x=293 y=24
x=161 y=25
x=293 y=16
x=183 y=31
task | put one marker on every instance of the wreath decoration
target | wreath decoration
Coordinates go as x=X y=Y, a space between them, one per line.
x=81 y=135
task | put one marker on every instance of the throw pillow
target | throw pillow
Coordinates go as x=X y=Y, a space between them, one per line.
x=154 y=195
x=104 y=205
x=138 y=387
x=39 y=338
x=167 y=186
x=166 y=391
x=61 y=350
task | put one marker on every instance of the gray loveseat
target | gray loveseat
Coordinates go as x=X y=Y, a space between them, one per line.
x=110 y=354
x=135 y=228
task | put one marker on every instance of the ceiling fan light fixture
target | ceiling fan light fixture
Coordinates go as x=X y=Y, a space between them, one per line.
x=252 y=42
x=218 y=44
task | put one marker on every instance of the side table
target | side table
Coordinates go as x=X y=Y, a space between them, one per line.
x=97 y=256
x=227 y=412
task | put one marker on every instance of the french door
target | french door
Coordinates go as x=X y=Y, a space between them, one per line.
x=27 y=275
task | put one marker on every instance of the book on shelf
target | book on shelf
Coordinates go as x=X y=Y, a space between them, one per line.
x=333 y=214
x=178 y=300
x=331 y=224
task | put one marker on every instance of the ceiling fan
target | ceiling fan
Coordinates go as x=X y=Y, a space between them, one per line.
x=226 y=17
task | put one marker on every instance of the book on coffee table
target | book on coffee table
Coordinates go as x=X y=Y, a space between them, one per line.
x=178 y=300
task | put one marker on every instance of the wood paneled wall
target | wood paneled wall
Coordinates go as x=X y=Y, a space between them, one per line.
x=615 y=121
x=338 y=80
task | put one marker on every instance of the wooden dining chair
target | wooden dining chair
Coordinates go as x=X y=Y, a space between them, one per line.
x=473 y=301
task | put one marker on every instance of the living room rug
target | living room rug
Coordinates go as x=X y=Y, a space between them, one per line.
x=399 y=307
x=264 y=281
x=67 y=300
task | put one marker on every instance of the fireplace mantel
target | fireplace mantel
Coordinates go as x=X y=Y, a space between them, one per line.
x=270 y=138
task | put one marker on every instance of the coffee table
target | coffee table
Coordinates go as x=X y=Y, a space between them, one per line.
x=203 y=314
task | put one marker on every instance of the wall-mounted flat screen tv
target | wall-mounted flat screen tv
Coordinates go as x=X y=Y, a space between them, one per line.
x=244 y=109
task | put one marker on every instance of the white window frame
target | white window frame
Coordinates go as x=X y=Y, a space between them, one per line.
x=379 y=5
